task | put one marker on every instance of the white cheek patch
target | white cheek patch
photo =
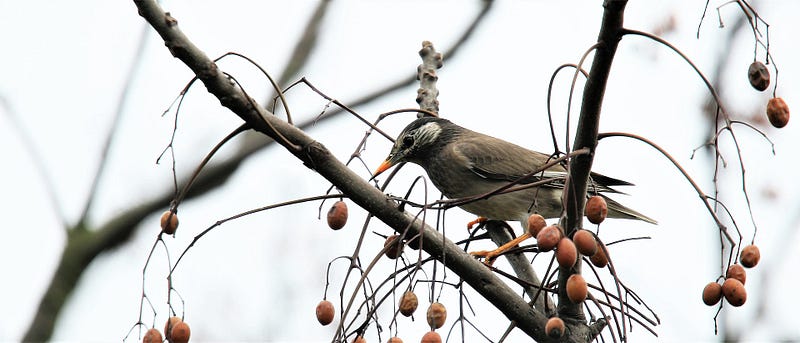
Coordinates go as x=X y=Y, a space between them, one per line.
x=428 y=133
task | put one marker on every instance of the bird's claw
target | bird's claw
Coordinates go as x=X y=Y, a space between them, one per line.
x=479 y=220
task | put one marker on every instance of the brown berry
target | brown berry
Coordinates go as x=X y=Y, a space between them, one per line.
x=394 y=339
x=180 y=333
x=599 y=259
x=736 y=271
x=535 y=224
x=171 y=323
x=577 y=289
x=750 y=256
x=337 y=215
x=325 y=312
x=712 y=293
x=395 y=247
x=359 y=339
x=408 y=303
x=758 y=74
x=431 y=337
x=152 y=336
x=778 y=112
x=596 y=209
x=585 y=242
x=548 y=238
x=554 y=328
x=169 y=222
x=437 y=314
x=566 y=253
x=734 y=292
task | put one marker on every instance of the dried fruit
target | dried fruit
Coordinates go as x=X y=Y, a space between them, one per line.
x=750 y=256
x=599 y=259
x=325 y=312
x=566 y=253
x=169 y=222
x=152 y=336
x=408 y=303
x=777 y=112
x=734 y=292
x=180 y=333
x=735 y=271
x=394 y=339
x=577 y=289
x=554 y=328
x=395 y=247
x=337 y=215
x=758 y=74
x=712 y=293
x=431 y=337
x=548 y=238
x=585 y=242
x=171 y=323
x=596 y=209
x=535 y=224
x=437 y=314
x=359 y=339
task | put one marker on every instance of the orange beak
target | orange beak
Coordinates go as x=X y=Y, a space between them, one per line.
x=382 y=168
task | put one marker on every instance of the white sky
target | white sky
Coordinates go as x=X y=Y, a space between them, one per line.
x=258 y=279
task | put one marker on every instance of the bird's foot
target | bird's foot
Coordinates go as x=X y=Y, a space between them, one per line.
x=489 y=256
x=478 y=220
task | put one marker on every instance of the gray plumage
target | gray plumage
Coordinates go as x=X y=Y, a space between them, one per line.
x=462 y=163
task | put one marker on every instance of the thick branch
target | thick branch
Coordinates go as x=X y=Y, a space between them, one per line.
x=586 y=137
x=317 y=157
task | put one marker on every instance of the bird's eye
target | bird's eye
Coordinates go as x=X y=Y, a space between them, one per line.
x=408 y=141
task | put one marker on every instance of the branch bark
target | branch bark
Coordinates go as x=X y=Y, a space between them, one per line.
x=580 y=166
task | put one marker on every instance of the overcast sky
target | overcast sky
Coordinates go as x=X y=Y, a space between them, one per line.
x=259 y=278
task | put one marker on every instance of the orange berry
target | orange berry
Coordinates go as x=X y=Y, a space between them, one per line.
x=359 y=339
x=750 y=256
x=395 y=339
x=758 y=74
x=599 y=259
x=171 y=323
x=577 y=289
x=395 y=247
x=548 y=238
x=431 y=337
x=337 y=215
x=777 y=112
x=152 y=336
x=712 y=293
x=180 y=333
x=734 y=292
x=408 y=303
x=566 y=253
x=554 y=328
x=169 y=222
x=596 y=209
x=437 y=314
x=325 y=312
x=535 y=224
x=735 y=271
x=585 y=242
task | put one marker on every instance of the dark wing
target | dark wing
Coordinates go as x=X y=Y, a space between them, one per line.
x=495 y=159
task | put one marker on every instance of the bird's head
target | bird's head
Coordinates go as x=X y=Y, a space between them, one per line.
x=418 y=140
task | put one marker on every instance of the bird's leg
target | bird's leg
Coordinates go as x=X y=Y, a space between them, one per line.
x=490 y=256
x=478 y=220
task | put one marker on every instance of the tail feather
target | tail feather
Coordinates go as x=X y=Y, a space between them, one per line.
x=617 y=210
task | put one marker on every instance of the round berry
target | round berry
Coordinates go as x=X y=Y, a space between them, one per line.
x=337 y=215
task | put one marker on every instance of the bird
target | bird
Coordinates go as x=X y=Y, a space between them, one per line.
x=462 y=163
